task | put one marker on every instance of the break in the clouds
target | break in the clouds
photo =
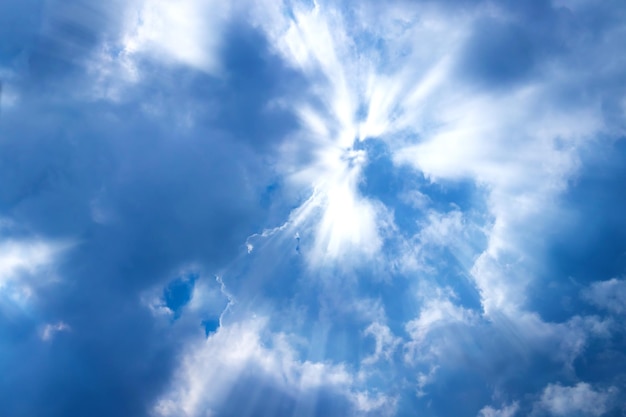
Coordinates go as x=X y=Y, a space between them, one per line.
x=299 y=208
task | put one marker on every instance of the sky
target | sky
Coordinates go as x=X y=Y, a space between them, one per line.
x=312 y=208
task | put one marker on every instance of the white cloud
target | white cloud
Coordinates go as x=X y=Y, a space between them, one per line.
x=519 y=144
x=415 y=198
x=344 y=224
x=248 y=349
x=438 y=313
x=335 y=223
x=424 y=379
x=24 y=256
x=442 y=327
x=506 y=411
x=578 y=400
x=374 y=405
x=48 y=331
x=609 y=295
x=315 y=40
x=208 y=297
x=26 y=264
x=169 y=32
x=186 y=32
x=348 y=223
x=563 y=342
x=386 y=343
x=451 y=230
x=346 y=78
x=442 y=229
x=518 y=156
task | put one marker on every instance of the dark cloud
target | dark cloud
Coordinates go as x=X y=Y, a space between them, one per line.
x=255 y=74
x=139 y=196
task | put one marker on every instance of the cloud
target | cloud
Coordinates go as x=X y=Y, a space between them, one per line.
x=358 y=179
x=440 y=311
x=25 y=257
x=578 y=400
x=49 y=330
x=386 y=343
x=424 y=379
x=245 y=357
x=142 y=202
x=608 y=295
x=478 y=150
x=186 y=32
x=27 y=266
x=439 y=316
x=565 y=341
x=464 y=132
x=506 y=411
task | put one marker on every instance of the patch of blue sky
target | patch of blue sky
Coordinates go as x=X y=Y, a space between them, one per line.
x=210 y=326
x=587 y=244
x=178 y=293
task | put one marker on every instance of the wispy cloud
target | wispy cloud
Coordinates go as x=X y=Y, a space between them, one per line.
x=48 y=331
x=609 y=295
x=580 y=399
x=506 y=411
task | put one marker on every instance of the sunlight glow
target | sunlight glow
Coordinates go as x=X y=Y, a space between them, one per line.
x=341 y=218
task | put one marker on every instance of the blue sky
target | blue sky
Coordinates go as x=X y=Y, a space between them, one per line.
x=300 y=208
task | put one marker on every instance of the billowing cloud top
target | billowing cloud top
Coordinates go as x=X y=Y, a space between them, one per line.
x=296 y=208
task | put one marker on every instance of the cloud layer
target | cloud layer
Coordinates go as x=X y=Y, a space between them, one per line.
x=312 y=208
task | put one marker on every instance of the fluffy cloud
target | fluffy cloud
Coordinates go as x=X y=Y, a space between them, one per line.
x=506 y=411
x=25 y=257
x=246 y=357
x=578 y=400
x=26 y=265
x=609 y=295
x=187 y=32
x=440 y=311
